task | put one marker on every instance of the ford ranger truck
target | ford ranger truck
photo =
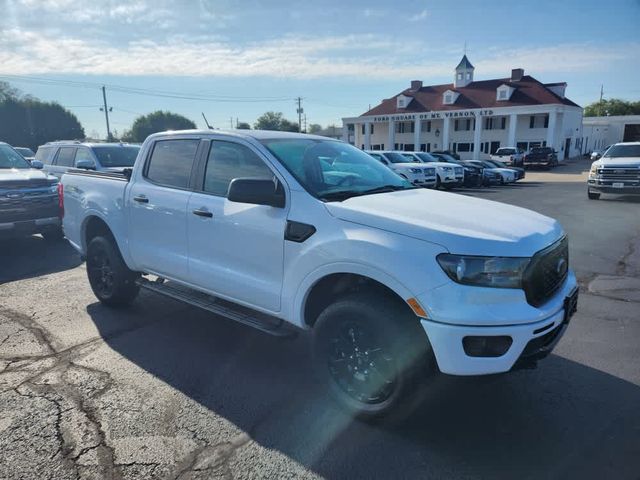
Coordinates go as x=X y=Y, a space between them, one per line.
x=286 y=232
x=617 y=171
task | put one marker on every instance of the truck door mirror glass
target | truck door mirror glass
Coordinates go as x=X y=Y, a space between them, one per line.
x=256 y=191
x=37 y=164
x=86 y=164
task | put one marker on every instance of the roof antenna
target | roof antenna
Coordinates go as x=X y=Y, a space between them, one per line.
x=205 y=121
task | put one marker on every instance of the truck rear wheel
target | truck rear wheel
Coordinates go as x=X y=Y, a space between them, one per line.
x=368 y=351
x=111 y=280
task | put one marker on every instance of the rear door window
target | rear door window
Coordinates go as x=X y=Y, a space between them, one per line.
x=66 y=156
x=45 y=155
x=171 y=162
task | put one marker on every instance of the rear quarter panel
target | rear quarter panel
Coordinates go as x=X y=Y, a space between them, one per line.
x=87 y=196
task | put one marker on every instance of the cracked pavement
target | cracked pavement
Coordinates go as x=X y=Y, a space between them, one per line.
x=164 y=391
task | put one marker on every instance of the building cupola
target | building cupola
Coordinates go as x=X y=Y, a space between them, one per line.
x=464 y=73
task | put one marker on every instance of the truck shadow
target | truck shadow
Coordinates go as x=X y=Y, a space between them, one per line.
x=32 y=256
x=562 y=420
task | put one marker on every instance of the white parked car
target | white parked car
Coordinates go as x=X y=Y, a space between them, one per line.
x=406 y=168
x=394 y=282
x=617 y=171
x=506 y=174
x=509 y=156
x=450 y=174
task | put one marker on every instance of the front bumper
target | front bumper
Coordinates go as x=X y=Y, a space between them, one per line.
x=606 y=186
x=29 y=227
x=530 y=329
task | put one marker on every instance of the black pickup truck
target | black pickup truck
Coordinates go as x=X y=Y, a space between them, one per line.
x=29 y=201
x=541 y=157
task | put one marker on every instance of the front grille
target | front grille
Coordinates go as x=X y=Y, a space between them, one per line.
x=29 y=207
x=619 y=173
x=547 y=270
x=458 y=170
x=429 y=171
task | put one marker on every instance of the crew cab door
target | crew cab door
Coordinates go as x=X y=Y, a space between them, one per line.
x=157 y=201
x=236 y=250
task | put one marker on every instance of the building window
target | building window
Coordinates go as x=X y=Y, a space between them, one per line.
x=522 y=146
x=459 y=76
x=405 y=127
x=546 y=121
x=426 y=126
x=532 y=121
x=468 y=75
x=488 y=123
x=503 y=123
x=468 y=124
x=447 y=99
x=502 y=95
x=455 y=125
x=465 y=147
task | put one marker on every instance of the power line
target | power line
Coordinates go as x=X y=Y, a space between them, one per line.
x=146 y=91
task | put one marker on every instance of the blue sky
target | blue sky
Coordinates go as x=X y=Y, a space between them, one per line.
x=246 y=57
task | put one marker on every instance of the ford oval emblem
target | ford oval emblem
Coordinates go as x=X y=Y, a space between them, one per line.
x=561 y=267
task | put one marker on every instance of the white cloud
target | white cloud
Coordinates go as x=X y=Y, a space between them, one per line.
x=370 y=56
x=418 y=17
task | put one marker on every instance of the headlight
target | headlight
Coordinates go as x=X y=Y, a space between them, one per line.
x=447 y=168
x=415 y=170
x=497 y=272
x=594 y=170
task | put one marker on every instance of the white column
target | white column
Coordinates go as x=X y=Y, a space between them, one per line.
x=392 y=136
x=511 y=136
x=367 y=135
x=445 y=133
x=477 y=134
x=417 y=131
x=551 y=130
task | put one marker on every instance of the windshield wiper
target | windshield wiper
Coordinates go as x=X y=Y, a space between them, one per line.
x=345 y=194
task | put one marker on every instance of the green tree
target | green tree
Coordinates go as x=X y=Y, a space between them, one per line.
x=613 y=106
x=315 y=128
x=154 y=122
x=25 y=121
x=243 y=126
x=274 y=121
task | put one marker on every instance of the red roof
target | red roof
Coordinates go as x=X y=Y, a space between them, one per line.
x=481 y=94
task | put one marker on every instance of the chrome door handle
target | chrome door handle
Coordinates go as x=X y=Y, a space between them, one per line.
x=203 y=213
x=141 y=199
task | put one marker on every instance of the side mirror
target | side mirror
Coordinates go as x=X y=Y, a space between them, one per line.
x=37 y=164
x=257 y=191
x=86 y=164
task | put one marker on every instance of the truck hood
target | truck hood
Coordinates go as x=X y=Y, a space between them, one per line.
x=461 y=224
x=619 y=161
x=25 y=177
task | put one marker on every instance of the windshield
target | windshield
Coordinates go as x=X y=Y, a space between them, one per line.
x=618 y=151
x=445 y=158
x=9 y=158
x=497 y=163
x=427 y=157
x=116 y=156
x=25 y=152
x=505 y=151
x=394 y=157
x=333 y=170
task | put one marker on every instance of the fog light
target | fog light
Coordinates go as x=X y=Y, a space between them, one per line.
x=486 y=346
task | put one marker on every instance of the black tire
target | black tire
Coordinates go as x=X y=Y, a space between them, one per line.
x=593 y=195
x=369 y=351
x=111 y=280
x=53 y=235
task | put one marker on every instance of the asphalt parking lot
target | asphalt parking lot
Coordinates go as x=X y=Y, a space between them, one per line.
x=163 y=390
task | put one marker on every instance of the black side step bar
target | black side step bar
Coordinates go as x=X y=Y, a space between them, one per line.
x=258 y=320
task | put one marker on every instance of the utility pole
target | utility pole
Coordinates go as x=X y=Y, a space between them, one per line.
x=305 y=123
x=106 y=113
x=300 y=112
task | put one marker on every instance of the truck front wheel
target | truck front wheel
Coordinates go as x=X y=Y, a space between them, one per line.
x=111 y=280
x=368 y=351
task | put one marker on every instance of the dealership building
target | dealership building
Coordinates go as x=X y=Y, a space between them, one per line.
x=472 y=117
x=602 y=131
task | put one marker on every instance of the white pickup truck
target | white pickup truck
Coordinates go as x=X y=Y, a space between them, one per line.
x=511 y=156
x=287 y=232
x=617 y=171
